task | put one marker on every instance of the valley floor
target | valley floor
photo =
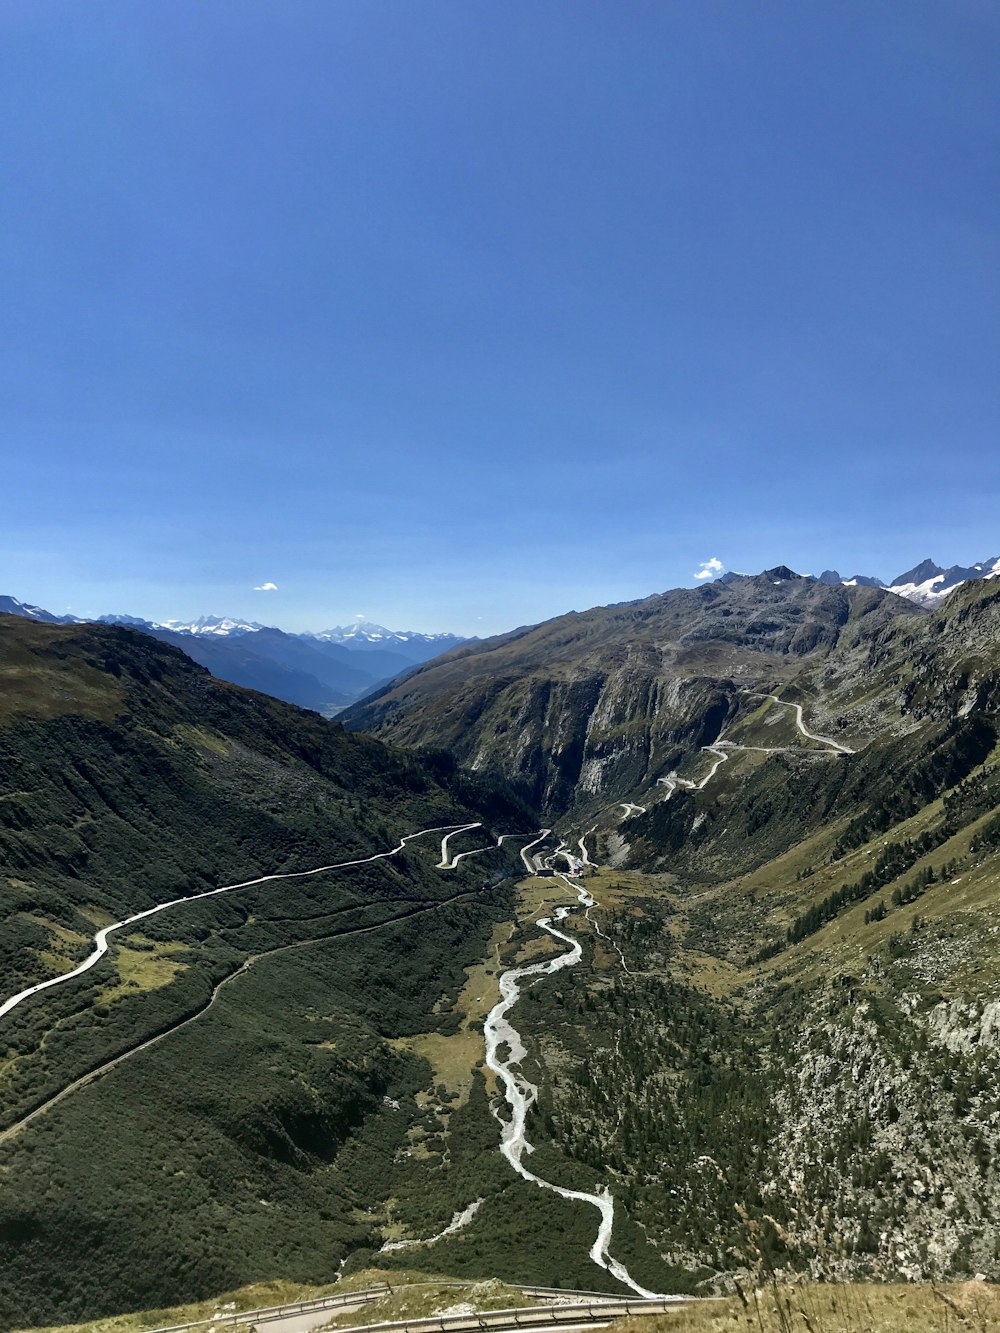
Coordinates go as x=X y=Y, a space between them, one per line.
x=691 y=1083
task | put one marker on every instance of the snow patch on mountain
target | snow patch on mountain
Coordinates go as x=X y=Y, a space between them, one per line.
x=366 y=631
x=831 y=576
x=134 y=622
x=216 y=625
x=928 y=584
x=15 y=608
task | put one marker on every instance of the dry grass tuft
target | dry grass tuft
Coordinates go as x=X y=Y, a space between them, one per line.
x=973 y=1307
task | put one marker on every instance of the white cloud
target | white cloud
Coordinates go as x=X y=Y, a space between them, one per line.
x=266 y=587
x=709 y=568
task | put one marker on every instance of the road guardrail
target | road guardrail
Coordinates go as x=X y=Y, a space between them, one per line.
x=226 y=1319
x=534 y=1316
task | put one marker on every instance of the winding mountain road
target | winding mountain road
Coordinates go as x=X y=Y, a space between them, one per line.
x=582 y=844
x=529 y=864
x=423 y=906
x=721 y=757
x=823 y=740
x=723 y=749
x=444 y=863
x=720 y=749
x=102 y=937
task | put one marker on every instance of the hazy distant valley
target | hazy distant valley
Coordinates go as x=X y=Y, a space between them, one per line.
x=324 y=671
x=760 y=1017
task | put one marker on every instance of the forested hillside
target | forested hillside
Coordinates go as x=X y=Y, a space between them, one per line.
x=132 y=778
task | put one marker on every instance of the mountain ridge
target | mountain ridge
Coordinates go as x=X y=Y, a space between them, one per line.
x=271 y=662
x=597 y=703
x=323 y=672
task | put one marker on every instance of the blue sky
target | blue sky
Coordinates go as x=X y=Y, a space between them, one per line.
x=460 y=315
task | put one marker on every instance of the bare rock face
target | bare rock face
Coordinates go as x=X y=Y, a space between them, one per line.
x=966 y=1026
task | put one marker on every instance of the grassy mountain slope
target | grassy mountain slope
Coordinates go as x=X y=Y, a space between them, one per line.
x=255 y=1139
x=599 y=704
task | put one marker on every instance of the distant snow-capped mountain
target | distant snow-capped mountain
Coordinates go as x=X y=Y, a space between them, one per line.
x=215 y=625
x=15 y=608
x=927 y=584
x=366 y=631
x=135 y=622
x=324 y=672
x=365 y=634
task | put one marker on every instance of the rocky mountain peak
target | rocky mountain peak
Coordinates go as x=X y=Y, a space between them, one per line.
x=780 y=574
x=927 y=569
